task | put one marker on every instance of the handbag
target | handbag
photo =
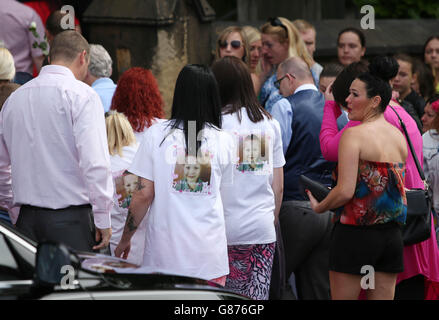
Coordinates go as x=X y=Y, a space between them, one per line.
x=418 y=223
x=318 y=190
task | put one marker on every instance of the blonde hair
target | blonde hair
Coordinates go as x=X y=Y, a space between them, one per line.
x=303 y=25
x=7 y=66
x=224 y=34
x=297 y=47
x=252 y=35
x=119 y=132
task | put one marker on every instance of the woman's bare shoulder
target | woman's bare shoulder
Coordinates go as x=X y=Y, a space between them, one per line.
x=354 y=131
x=352 y=136
x=362 y=135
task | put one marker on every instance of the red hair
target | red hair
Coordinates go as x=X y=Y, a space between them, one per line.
x=138 y=97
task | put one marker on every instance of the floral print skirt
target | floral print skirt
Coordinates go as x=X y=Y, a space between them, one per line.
x=250 y=269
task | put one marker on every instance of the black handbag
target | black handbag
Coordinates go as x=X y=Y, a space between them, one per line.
x=318 y=190
x=418 y=223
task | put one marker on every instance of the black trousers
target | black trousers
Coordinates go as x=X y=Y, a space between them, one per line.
x=278 y=281
x=72 y=226
x=306 y=238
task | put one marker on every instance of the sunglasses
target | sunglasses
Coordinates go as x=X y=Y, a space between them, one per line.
x=236 y=44
x=275 y=22
x=277 y=82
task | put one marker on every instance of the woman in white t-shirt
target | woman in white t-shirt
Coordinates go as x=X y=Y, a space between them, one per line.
x=122 y=146
x=252 y=202
x=185 y=226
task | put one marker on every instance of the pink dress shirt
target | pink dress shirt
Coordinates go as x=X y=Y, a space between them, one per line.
x=15 y=19
x=421 y=258
x=52 y=133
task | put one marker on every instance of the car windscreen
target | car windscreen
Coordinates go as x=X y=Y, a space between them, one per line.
x=19 y=249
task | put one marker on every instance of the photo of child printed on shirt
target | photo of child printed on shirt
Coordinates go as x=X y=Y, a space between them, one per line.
x=192 y=176
x=253 y=155
x=125 y=187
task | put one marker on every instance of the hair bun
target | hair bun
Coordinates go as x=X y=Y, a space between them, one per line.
x=384 y=67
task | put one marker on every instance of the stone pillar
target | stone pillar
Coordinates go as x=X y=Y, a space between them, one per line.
x=247 y=10
x=162 y=36
x=290 y=9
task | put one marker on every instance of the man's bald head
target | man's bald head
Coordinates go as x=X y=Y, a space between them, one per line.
x=291 y=74
x=297 y=67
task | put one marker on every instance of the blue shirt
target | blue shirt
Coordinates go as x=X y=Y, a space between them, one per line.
x=105 y=88
x=269 y=93
x=283 y=113
x=342 y=120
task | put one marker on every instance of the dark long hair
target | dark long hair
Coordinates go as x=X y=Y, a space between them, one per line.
x=434 y=37
x=236 y=89
x=196 y=98
x=425 y=78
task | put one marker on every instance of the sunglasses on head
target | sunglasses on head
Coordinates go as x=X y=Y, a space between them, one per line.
x=236 y=44
x=275 y=22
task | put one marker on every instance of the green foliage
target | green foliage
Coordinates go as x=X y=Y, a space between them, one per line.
x=402 y=9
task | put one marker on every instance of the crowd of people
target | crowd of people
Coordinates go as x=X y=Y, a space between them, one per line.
x=213 y=192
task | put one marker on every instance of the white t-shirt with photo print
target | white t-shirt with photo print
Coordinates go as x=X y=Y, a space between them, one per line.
x=185 y=227
x=139 y=135
x=249 y=202
x=119 y=211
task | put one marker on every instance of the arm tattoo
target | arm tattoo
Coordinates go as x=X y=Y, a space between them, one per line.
x=130 y=222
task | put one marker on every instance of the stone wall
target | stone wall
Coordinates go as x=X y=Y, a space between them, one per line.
x=388 y=37
x=162 y=36
x=166 y=35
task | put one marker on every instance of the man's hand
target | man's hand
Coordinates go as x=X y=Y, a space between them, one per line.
x=103 y=235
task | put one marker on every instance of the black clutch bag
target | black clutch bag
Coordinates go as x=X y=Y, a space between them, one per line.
x=318 y=190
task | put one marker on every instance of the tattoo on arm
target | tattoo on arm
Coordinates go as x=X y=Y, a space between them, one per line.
x=130 y=222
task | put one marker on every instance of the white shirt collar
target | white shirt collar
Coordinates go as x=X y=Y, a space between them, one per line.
x=306 y=86
x=54 y=68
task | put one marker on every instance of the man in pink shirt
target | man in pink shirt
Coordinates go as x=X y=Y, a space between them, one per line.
x=22 y=32
x=53 y=136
